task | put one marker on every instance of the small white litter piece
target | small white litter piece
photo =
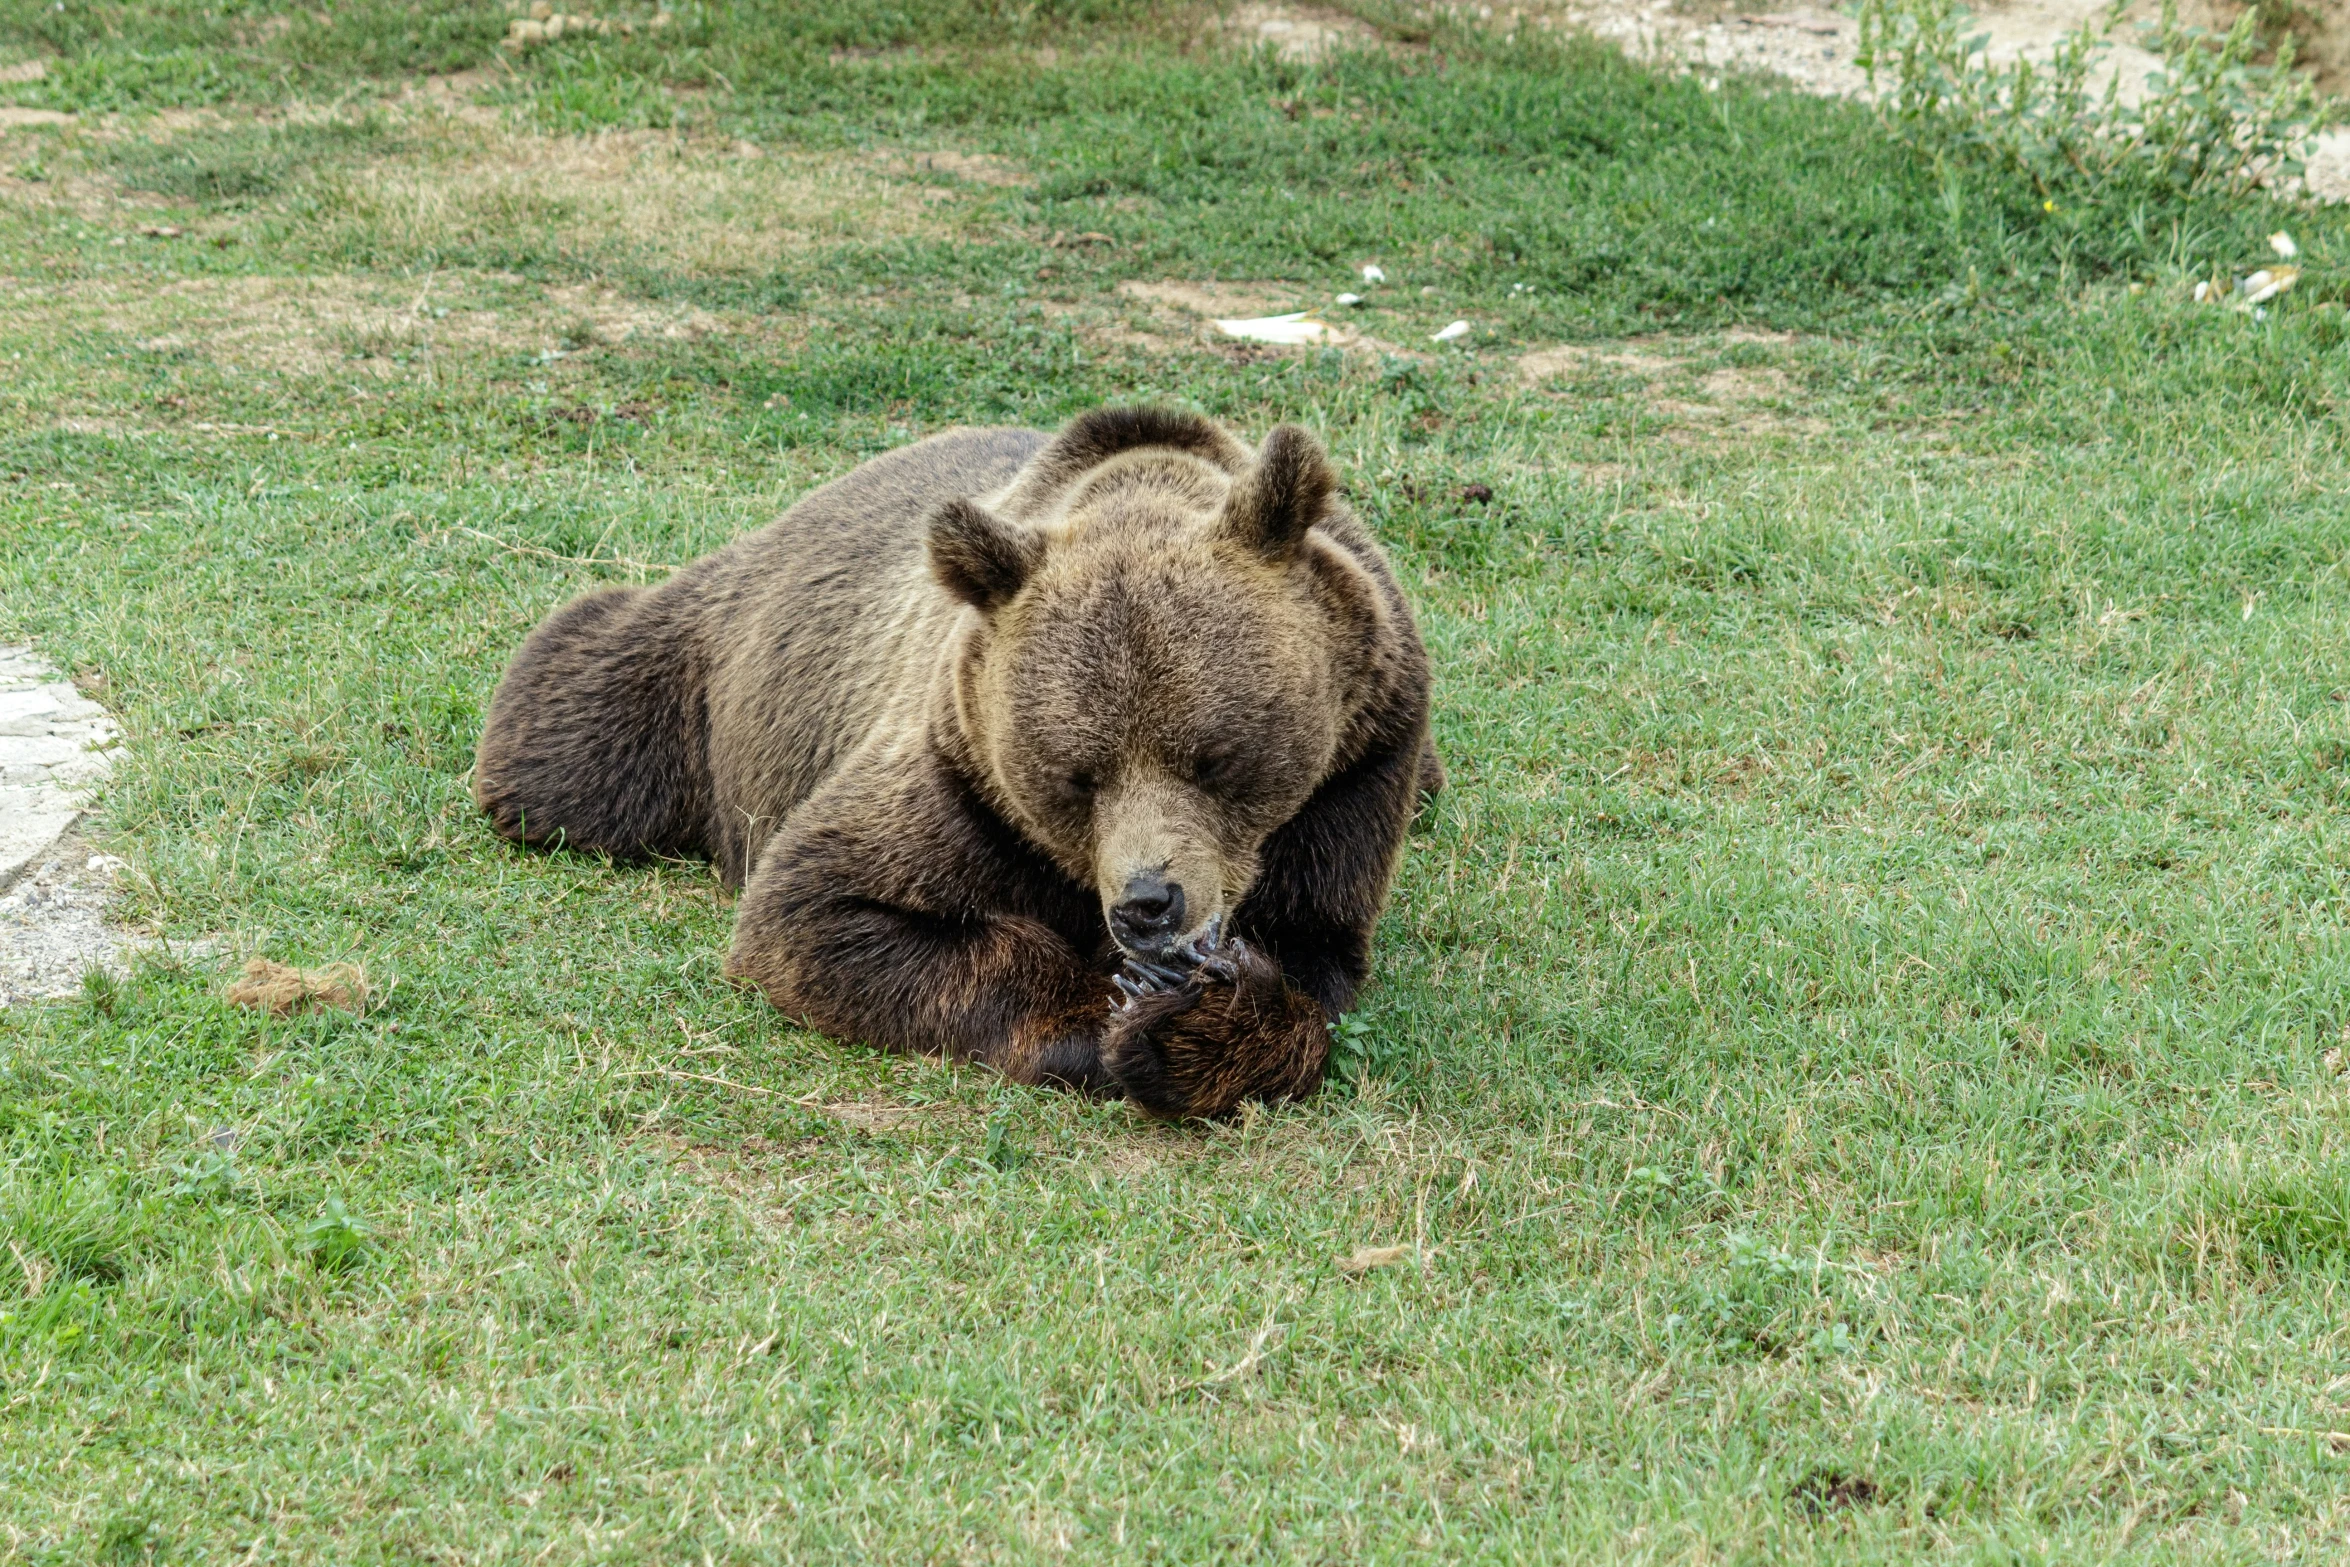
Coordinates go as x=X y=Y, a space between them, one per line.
x=1374 y=273
x=2282 y=243
x=1350 y=299
x=2266 y=284
x=1297 y=327
x=1451 y=334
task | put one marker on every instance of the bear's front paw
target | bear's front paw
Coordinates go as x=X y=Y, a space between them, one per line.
x=1200 y=1039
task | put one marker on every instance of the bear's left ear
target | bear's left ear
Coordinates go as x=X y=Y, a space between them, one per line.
x=1281 y=494
x=977 y=556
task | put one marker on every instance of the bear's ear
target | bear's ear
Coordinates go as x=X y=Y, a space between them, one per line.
x=977 y=556
x=1281 y=494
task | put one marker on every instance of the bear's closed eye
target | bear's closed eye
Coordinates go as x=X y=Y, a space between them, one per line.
x=1225 y=772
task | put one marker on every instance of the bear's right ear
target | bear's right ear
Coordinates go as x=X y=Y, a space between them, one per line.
x=1282 y=494
x=977 y=556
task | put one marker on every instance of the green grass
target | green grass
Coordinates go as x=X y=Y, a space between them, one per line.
x=1849 y=1057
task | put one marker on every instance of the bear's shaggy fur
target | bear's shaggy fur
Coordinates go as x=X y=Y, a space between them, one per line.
x=1085 y=756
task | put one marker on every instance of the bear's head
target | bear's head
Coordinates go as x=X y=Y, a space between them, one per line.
x=1164 y=656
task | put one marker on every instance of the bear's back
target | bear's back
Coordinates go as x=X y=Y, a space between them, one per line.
x=825 y=621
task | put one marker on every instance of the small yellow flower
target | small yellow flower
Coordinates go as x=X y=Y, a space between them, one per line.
x=2048 y=206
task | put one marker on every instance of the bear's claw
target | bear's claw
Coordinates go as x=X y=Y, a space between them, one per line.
x=1207 y=958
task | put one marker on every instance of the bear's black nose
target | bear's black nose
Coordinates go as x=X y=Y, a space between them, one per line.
x=1151 y=911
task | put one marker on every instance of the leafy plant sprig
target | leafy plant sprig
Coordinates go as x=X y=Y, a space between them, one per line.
x=2214 y=120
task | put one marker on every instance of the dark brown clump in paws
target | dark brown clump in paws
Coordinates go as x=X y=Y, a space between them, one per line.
x=1199 y=1040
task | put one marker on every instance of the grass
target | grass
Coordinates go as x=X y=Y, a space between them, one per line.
x=1853 y=1064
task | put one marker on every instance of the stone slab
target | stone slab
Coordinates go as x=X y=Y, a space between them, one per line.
x=30 y=821
x=56 y=746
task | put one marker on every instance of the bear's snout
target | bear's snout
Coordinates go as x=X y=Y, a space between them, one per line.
x=1149 y=913
x=1159 y=865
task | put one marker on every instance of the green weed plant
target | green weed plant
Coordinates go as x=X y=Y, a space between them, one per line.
x=2217 y=118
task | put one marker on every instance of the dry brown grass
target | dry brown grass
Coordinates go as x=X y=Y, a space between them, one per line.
x=1734 y=400
x=1209 y=301
x=722 y=209
x=354 y=324
x=976 y=168
x=296 y=325
x=1576 y=359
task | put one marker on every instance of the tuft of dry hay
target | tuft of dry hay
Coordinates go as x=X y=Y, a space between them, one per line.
x=1366 y=1258
x=281 y=990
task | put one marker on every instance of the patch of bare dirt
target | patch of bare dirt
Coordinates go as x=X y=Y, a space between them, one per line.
x=1129 y=1163
x=164 y=124
x=1647 y=357
x=753 y=1171
x=1213 y=301
x=1747 y=386
x=868 y=1117
x=92 y=198
x=976 y=168
x=11 y=118
x=1296 y=32
x=2320 y=29
x=262 y=31
x=1582 y=359
x=454 y=95
x=613 y=317
x=1149 y=1153
x=1705 y=421
x=1731 y=399
x=746 y=1168
x=1106 y=328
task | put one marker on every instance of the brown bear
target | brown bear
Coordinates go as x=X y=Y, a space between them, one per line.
x=1085 y=756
